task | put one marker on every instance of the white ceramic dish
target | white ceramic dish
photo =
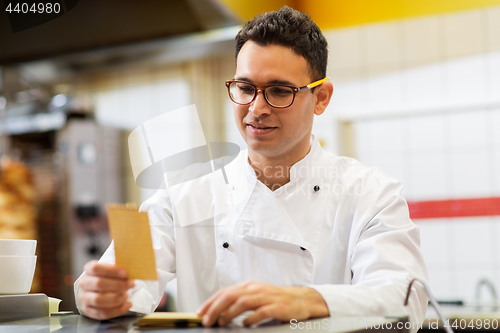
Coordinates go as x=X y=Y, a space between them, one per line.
x=16 y=274
x=19 y=247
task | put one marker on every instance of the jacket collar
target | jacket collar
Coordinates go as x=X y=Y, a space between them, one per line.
x=301 y=169
x=263 y=215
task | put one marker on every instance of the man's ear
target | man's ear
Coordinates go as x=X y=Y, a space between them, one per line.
x=323 y=94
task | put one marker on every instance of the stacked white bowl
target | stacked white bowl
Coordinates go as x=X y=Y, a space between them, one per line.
x=17 y=265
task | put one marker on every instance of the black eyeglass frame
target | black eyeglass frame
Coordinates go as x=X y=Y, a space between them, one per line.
x=263 y=90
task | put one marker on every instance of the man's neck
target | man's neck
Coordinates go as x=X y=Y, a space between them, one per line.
x=274 y=172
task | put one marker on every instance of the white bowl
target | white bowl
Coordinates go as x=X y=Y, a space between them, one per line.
x=16 y=274
x=19 y=247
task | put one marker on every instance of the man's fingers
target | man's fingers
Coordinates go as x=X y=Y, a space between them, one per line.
x=206 y=305
x=103 y=314
x=103 y=300
x=104 y=291
x=94 y=283
x=219 y=305
x=242 y=304
x=267 y=301
x=104 y=270
x=264 y=312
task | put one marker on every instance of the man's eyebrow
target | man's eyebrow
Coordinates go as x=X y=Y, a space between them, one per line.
x=243 y=79
x=283 y=82
x=273 y=82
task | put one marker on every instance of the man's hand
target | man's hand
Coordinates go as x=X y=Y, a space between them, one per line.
x=267 y=300
x=104 y=291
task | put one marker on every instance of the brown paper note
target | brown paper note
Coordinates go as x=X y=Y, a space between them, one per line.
x=170 y=319
x=132 y=239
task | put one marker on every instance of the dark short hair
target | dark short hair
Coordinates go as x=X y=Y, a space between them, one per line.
x=291 y=28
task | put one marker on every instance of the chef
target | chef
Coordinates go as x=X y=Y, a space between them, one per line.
x=310 y=234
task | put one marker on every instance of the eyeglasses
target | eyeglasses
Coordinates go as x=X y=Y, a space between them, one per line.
x=278 y=96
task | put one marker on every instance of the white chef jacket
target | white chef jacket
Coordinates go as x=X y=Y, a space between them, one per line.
x=337 y=226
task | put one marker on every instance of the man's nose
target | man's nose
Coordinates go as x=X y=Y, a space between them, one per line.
x=259 y=106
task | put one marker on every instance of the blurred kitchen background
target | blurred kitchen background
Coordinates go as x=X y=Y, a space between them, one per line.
x=417 y=94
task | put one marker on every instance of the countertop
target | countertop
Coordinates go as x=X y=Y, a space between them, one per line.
x=81 y=324
x=463 y=318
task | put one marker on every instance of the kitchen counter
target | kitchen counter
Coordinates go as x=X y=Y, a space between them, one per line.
x=463 y=319
x=81 y=324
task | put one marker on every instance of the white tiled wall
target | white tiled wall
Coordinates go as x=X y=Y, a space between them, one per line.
x=427 y=134
x=463 y=33
x=468 y=130
x=469 y=175
x=421 y=40
x=424 y=97
x=493 y=21
x=464 y=80
x=428 y=178
x=496 y=166
x=382 y=44
x=493 y=83
x=386 y=91
x=387 y=136
x=131 y=105
x=425 y=86
x=344 y=48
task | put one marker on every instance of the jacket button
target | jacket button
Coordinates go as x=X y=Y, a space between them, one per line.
x=302 y=248
x=225 y=245
x=316 y=188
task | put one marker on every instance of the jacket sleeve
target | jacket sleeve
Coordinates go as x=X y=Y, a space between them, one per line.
x=146 y=295
x=384 y=256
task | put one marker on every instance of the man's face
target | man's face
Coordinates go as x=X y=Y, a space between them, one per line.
x=272 y=132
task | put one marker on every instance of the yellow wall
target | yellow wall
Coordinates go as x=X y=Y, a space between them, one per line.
x=341 y=13
x=245 y=9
